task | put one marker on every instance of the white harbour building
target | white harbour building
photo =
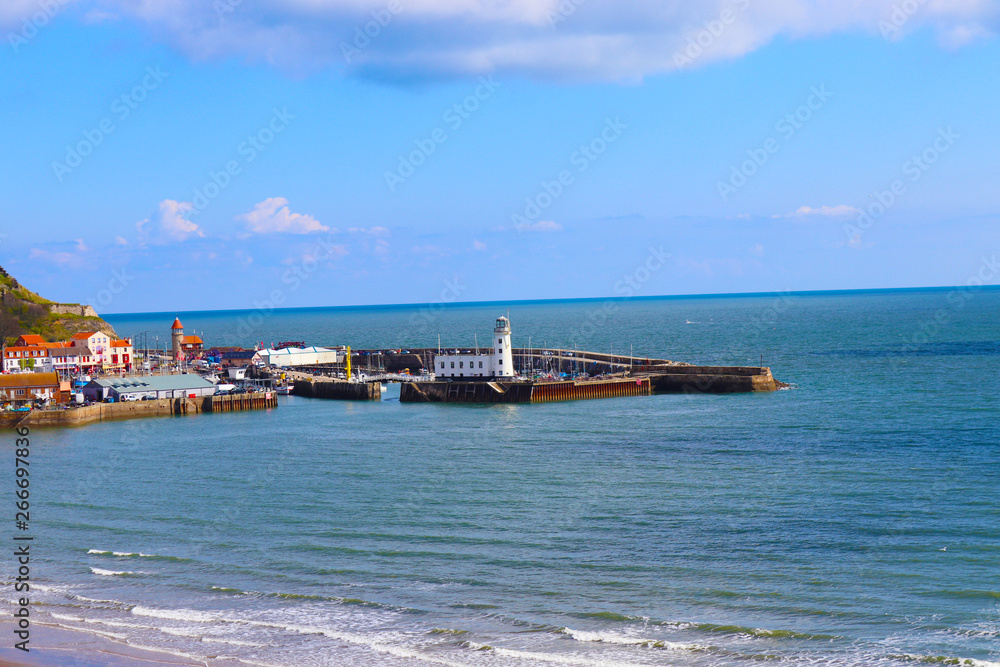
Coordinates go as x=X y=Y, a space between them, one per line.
x=288 y=357
x=497 y=363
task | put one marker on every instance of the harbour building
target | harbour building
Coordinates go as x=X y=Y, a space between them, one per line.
x=497 y=363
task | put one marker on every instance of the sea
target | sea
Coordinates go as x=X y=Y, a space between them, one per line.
x=850 y=519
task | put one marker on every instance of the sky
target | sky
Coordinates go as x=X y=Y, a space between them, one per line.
x=215 y=154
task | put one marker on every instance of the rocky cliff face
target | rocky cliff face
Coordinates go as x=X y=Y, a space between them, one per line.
x=23 y=311
x=72 y=309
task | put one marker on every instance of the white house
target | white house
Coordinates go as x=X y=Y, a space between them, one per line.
x=497 y=363
x=33 y=358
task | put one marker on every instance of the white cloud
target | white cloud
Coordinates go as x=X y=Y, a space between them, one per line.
x=478 y=245
x=540 y=226
x=598 y=39
x=371 y=231
x=821 y=212
x=64 y=253
x=168 y=223
x=273 y=215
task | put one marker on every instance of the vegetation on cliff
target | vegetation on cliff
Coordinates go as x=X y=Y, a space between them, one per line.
x=23 y=311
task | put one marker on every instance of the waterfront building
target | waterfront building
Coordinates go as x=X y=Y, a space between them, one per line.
x=27 y=357
x=68 y=360
x=497 y=363
x=237 y=358
x=30 y=352
x=192 y=344
x=298 y=356
x=28 y=339
x=120 y=356
x=153 y=386
x=23 y=388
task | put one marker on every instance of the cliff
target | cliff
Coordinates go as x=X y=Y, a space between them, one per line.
x=23 y=311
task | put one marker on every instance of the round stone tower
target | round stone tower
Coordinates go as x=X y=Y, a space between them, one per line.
x=176 y=337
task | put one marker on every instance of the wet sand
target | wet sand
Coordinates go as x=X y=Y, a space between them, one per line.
x=53 y=646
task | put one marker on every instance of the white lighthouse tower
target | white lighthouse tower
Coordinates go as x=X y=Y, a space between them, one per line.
x=503 y=358
x=497 y=363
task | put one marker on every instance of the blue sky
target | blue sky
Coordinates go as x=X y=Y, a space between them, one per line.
x=195 y=155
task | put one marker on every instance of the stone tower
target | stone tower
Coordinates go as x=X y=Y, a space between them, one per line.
x=176 y=337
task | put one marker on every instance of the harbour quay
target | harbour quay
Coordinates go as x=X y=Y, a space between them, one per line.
x=500 y=373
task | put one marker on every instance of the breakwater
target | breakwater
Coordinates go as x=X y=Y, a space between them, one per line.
x=712 y=379
x=344 y=391
x=163 y=407
x=521 y=392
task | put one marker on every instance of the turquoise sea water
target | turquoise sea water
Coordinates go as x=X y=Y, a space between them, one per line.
x=851 y=520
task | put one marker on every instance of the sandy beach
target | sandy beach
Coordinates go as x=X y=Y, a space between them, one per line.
x=52 y=646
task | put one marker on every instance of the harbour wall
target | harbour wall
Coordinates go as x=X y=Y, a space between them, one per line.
x=344 y=391
x=521 y=392
x=162 y=407
x=712 y=379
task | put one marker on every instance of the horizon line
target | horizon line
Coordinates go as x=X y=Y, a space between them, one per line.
x=711 y=295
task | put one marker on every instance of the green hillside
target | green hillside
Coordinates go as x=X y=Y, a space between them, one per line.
x=23 y=311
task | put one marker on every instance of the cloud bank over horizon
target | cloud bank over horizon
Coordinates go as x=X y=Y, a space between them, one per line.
x=569 y=40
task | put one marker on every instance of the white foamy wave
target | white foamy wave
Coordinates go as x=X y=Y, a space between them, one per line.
x=51 y=589
x=84 y=598
x=233 y=642
x=67 y=617
x=553 y=658
x=217 y=640
x=109 y=573
x=120 y=554
x=178 y=614
x=91 y=631
x=371 y=643
x=180 y=654
x=966 y=662
x=613 y=638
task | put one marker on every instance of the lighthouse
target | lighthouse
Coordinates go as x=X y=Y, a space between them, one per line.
x=503 y=358
x=497 y=363
x=176 y=338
